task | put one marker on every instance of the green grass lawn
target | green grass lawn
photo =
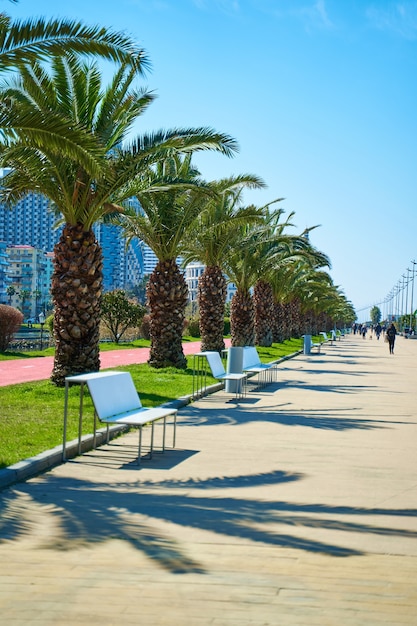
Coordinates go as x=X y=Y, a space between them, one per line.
x=31 y=417
x=104 y=347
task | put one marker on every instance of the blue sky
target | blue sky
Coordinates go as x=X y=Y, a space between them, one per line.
x=321 y=96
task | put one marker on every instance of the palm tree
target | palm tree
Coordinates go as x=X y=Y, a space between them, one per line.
x=241 y=265
x=164 y=224
x=208 y=241
x=11 y=291
x=252 y=256
x=74 y=91
x=26 y=41
x=24 y=295
x=270 y=252
x=255 y=263
x=283 y=257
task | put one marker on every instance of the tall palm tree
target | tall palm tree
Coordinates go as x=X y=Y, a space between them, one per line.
x=288 y=257
x=165 y=225
x=74 y=91
x=266 y=249
x=252 y=256
x=242 y=264
x=270 y=252
x=208 y=241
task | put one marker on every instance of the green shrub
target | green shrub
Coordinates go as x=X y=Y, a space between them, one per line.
x=145 y=327
x=10 y=321
x=193 y=328
x=49 y=324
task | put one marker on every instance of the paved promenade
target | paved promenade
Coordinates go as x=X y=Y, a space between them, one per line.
x=296 y=507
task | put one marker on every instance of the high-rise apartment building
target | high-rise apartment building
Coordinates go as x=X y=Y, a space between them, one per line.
x=26 y=274
x=4 y=279
x=29 y=222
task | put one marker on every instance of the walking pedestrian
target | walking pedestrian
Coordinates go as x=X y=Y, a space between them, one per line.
x=391 y=333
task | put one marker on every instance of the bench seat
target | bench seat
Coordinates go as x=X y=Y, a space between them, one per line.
x=116 y=401
x=138 y=417
x=253 y=365
x=219 y=373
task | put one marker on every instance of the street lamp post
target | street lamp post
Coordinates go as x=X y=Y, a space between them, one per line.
x=41 y=318
x=412 y=294
x=402 y=302
x=406 y=300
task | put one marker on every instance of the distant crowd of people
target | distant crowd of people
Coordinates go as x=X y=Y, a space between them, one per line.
x=389 y=333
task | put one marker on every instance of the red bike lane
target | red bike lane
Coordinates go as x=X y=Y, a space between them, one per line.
x=40 y=368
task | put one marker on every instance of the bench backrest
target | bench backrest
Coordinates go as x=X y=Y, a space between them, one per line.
x=250 y=357
x=112 y=395
x=215 y=364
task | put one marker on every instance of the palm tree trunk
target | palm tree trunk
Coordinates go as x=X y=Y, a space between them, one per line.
x=278 y=322
x=264 y=312
x=286 y=321
x=242 y=319
x=167 y=295
x=212 y=292
x=76 y=292
x=295 y=316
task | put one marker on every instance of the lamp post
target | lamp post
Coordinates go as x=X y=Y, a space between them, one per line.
x=406 y=301
x=412 y=294
x=41 y=318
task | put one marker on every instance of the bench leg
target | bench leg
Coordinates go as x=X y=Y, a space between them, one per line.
x=140 y=445
x=175 y=430
x=80 y=419
x=151 y=450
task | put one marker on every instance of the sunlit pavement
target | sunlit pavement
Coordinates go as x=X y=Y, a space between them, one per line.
x=297 y=506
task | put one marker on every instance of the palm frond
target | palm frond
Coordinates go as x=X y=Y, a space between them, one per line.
x=22 y=41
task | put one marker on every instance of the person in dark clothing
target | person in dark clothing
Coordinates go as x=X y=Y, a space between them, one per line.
x=391 y=333
x=378 y=330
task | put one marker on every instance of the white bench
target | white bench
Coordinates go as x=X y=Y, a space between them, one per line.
x=318 y=345
x=219 y=373
x=253 y=365
x=116 y=401
x=309 y=344
x=327 y=338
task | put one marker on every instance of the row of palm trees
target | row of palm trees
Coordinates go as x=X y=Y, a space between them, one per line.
x=66 y=134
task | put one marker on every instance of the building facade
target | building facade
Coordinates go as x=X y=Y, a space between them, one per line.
x=27 y=287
